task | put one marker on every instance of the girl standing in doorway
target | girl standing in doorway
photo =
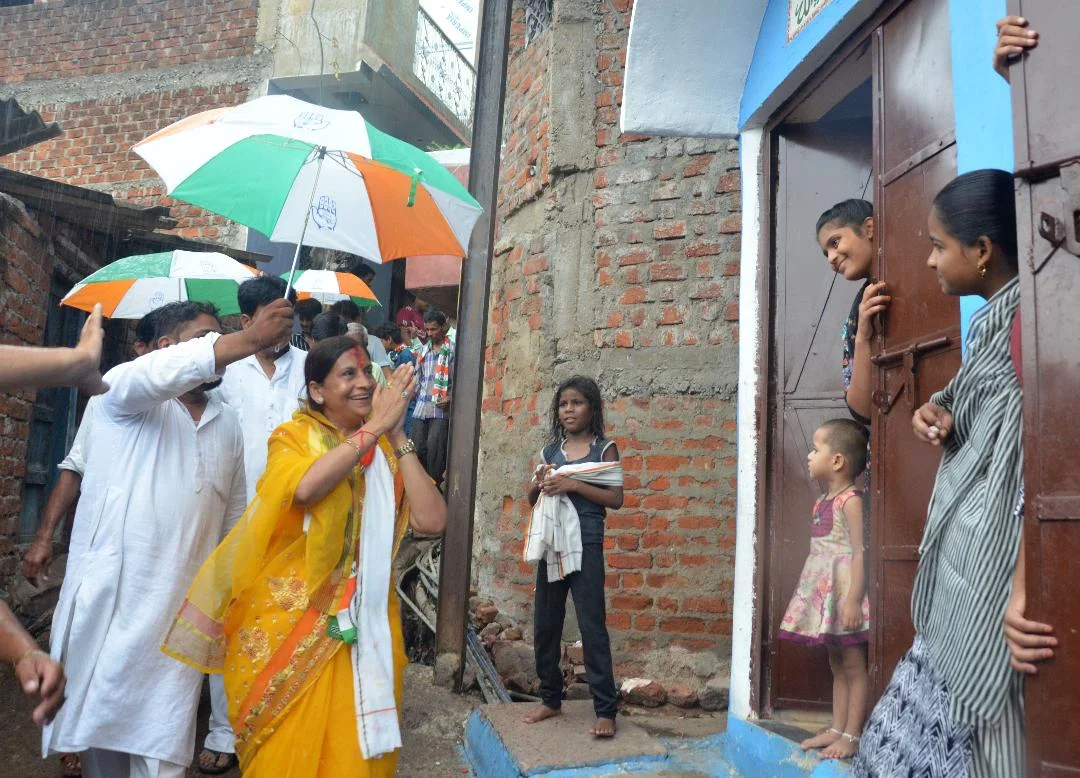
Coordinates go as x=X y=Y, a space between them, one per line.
x=953 y=706
x=845 y=233
x=830 y=606
x=577 y=436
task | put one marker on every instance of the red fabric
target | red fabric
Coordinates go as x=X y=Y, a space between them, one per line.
x=409 y=315
x=1015 y=348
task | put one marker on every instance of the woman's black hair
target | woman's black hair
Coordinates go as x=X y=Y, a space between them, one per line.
x=849 y=213
x=591 y=393
x=977 y=204
x=321 y=360
x=327 y=325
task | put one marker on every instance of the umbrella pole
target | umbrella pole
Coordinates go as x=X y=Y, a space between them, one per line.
x=307 y=217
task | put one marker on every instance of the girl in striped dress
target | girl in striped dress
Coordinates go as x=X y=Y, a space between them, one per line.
x=953 y=706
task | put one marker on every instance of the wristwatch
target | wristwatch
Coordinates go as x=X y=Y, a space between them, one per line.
x=408 y=447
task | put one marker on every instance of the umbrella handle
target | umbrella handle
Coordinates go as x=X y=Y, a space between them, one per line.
x=321 y=150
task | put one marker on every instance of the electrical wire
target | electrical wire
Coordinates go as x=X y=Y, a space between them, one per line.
x=828 y=296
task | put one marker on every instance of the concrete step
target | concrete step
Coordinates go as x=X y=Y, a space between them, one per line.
x=499 y=745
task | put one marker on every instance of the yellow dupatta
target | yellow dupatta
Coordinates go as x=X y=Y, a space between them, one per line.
x=259 y=608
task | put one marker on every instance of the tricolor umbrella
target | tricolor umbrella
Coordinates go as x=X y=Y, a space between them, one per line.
x=328 y=286
x=131 y=287
x=300 y=173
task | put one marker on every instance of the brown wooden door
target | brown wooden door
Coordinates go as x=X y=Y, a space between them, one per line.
x=817 y=165
x=917 y=349
x=1046 y=123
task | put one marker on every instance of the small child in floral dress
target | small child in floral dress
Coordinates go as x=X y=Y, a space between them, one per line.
x=830 y=606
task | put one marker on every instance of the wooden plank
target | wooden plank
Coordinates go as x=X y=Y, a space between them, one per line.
x=468 y=383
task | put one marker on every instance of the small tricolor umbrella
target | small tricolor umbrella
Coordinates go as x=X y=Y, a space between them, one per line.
x=328 y=286
x=300 y=173
x=131 y=287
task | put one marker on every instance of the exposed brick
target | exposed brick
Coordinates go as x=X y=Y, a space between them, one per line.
x=662 y=217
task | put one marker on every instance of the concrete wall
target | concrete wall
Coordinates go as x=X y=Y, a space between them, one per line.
x=618 y=257
x=669 y=93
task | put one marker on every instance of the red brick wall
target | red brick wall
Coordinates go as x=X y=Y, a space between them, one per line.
x=96 y=43
x=95 y=149
x=524 y=169
x=66 y=38
x=32 y=250
x=660 y=273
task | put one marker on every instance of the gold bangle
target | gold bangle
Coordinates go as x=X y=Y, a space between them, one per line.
x=355 y=447
x=408 y=447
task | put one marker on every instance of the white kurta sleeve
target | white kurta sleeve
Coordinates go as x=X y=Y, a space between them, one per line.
x=237 y=489
x=75 y=461
x=138 y=386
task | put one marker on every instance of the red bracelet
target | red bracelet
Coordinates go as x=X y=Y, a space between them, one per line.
x=369 y=456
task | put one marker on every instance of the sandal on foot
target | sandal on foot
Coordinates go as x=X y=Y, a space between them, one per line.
x=217 y=768
x=70 y=766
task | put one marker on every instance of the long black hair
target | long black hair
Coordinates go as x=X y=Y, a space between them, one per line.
x=977 y=204
x=321 y=360
x=847 y=213
x=591 y=392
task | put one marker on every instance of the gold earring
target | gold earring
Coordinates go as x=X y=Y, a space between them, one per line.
x=983 y=271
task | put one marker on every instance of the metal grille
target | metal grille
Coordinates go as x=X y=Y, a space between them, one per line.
x=443 y=69
x=537 y=18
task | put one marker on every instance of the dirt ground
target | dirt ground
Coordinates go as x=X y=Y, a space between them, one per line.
x=434 y=721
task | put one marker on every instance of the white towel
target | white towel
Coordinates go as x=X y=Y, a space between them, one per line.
x=554 y=532
x=373 y=651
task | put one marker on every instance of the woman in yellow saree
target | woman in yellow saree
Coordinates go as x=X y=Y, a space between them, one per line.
x=295 y=607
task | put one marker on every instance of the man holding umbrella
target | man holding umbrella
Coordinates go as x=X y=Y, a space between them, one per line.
x=164 y=481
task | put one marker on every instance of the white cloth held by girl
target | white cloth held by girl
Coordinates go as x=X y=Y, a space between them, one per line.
x=554 y=532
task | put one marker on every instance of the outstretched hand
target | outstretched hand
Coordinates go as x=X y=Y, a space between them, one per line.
x=88 y=355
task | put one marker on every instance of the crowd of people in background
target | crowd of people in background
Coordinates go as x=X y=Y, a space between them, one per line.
x=184 y=430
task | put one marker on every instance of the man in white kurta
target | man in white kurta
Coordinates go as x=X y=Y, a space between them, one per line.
x=264 y=390
x=164 y=481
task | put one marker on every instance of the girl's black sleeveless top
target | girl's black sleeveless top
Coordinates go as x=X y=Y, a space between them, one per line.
x=590 y=514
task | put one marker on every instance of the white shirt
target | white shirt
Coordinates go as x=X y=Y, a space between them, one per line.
x=75 y=461
x=263 y=404
x=159 y=493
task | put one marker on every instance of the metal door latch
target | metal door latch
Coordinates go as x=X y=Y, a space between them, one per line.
x=1064 y=230
x=910 y=357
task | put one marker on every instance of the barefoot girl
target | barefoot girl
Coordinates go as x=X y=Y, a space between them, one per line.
x=830 y=606
x=577 y=436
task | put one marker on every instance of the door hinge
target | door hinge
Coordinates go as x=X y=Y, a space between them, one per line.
x=1063 y=230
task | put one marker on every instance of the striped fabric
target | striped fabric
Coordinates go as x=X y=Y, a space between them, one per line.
x=973 y=525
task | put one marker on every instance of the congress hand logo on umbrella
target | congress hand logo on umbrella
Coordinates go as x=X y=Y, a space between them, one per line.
x=131 y=287
x=300 y=173
x=328 y=286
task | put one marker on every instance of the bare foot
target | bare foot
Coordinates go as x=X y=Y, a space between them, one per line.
x=603 y=728
x=844 y=747
x=540 y=713
x=825 y=737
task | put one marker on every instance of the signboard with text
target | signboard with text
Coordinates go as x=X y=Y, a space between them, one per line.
x=800 y=12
